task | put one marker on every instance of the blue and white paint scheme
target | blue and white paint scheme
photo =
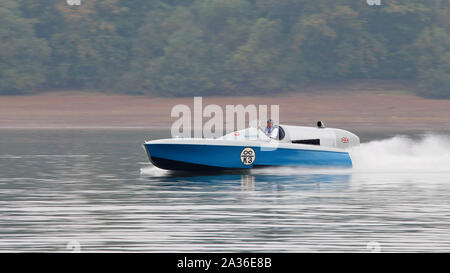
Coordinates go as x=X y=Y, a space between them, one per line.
x=252 y=148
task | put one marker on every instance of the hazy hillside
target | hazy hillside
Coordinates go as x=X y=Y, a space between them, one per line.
x=209 y=47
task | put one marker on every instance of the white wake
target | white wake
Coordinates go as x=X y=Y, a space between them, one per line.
x=429 y=153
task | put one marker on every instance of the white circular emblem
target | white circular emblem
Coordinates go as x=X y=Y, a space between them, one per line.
x=248 y=156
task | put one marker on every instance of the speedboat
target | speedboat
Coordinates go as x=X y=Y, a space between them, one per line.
x=252 y=148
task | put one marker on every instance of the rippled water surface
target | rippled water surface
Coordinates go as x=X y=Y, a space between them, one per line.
x=92 y=190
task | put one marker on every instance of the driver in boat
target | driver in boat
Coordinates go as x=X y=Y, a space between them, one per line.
x=271 y=130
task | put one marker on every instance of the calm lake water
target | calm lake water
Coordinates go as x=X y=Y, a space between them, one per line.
x=94 y=190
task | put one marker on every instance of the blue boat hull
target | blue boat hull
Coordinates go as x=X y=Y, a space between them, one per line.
x=191 y=157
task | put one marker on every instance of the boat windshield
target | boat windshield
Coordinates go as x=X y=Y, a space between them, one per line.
x=251 y=133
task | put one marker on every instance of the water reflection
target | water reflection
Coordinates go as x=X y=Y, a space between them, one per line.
x=247 y=182
x=252 y=182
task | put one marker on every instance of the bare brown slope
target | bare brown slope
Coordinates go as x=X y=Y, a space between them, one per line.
x=355 y=110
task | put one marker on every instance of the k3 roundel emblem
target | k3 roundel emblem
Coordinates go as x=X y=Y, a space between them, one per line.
x=248 y=156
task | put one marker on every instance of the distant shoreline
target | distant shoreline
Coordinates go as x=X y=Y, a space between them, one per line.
x=357 y=110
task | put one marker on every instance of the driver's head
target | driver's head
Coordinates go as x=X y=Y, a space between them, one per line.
x=269 y=123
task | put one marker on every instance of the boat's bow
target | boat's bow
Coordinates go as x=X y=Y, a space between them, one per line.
x=197 y=154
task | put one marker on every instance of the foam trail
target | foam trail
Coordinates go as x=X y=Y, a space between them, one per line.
x=401 y=154
x=300 y=171
x=151 y=170
x=431 y=153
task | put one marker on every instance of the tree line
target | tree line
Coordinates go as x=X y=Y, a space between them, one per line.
x=221 y=47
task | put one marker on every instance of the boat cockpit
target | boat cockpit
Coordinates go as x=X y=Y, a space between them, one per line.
x=319 y=136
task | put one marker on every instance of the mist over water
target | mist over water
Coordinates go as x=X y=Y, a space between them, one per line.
x=429 y=153
x=96 y=191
